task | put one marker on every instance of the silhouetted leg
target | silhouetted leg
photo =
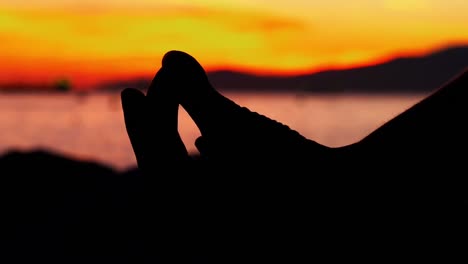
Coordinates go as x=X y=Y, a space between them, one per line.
x=427 y=142
x=415 y=166
x=433 y=128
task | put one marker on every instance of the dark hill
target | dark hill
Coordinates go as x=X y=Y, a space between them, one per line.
x=400 y=75
x=411 y=74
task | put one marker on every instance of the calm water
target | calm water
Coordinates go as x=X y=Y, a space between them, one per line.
x=92 y=127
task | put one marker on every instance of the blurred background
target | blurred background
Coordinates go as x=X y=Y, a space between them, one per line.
x=333 y=70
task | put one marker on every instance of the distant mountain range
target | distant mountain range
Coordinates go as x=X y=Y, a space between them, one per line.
x=399 y=75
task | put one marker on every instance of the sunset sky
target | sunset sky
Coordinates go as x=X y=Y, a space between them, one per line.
x=89 y=41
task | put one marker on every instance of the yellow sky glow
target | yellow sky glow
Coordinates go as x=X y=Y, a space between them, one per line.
x=89 y=42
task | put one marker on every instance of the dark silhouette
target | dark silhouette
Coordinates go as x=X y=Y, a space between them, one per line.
x=260 y=189
x=258 y=192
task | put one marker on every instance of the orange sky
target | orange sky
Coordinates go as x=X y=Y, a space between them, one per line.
x=88 y=42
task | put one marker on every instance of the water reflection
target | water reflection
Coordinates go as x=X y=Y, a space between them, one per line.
x=92 y=126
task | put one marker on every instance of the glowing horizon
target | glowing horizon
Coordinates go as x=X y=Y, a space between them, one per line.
x=89 y=42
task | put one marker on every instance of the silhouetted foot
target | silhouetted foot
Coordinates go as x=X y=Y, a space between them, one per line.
x=231 y=133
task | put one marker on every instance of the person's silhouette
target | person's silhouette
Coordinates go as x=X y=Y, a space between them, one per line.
x=260 y=185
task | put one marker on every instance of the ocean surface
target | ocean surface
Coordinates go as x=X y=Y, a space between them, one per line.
x=91 y=127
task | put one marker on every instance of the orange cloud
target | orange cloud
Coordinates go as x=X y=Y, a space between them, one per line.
x=90 y=45
x=117 y=42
